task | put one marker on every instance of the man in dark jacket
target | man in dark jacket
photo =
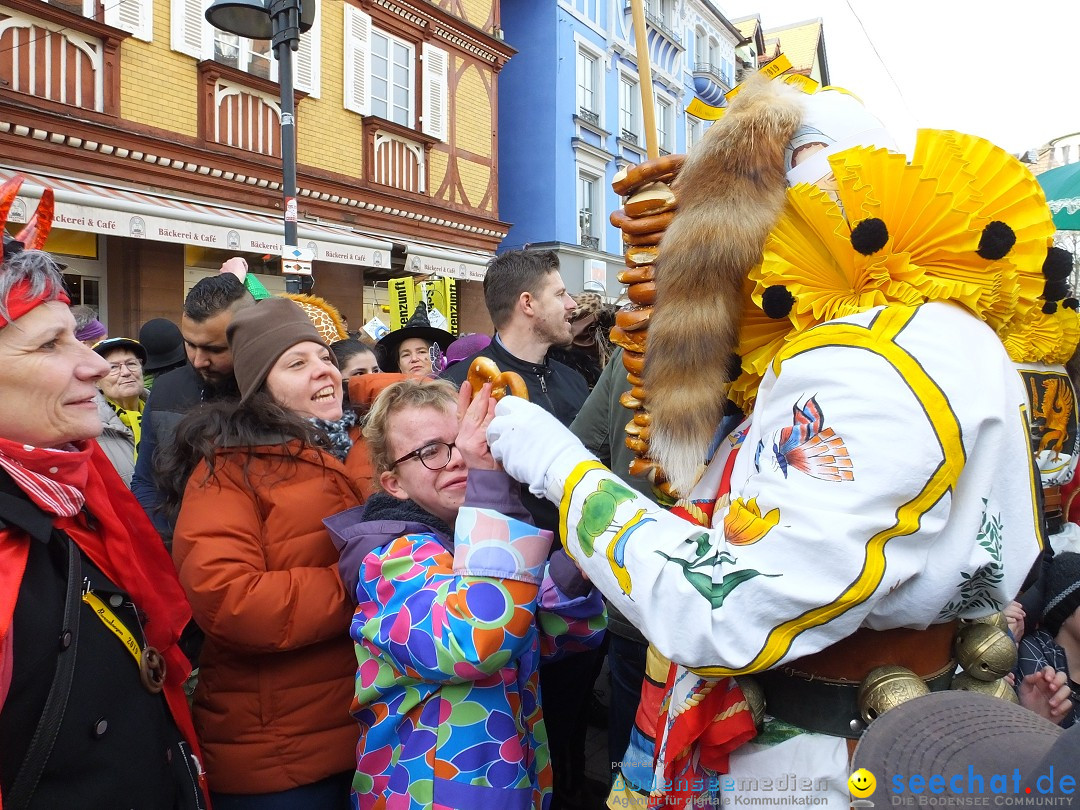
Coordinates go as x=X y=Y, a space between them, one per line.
x=530 y=308
x=208 y=375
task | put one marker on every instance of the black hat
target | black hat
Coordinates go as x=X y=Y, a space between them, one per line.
x=164 y=345
x=1062 y=590
x=418 y=326
x=103 y=347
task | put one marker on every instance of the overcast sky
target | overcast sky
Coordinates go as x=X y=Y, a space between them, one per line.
x=1009 y=72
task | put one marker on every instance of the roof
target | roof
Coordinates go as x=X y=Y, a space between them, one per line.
x=747 y=26
x=800 y=43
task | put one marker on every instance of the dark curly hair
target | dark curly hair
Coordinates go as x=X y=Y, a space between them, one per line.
x=205 y=431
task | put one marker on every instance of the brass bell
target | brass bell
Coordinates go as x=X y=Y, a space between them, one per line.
x=755 y=697
x=998 y=688
x=985 y=652
x=997 y=620
x=886 y=688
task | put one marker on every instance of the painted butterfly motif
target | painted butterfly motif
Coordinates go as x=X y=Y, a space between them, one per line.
x=811 y=448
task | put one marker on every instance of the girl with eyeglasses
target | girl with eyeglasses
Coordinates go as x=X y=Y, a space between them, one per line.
x=457 y=603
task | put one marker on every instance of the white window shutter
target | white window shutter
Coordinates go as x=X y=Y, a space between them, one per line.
x=190 y=32
x=357 y=53
x=134 y=16
x=306 y=62
x=434 y=108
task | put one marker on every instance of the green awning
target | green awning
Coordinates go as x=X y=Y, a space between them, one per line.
x=1062 y=188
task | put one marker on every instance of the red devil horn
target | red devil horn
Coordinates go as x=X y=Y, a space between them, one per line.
x=8 y=192
x=35 y=233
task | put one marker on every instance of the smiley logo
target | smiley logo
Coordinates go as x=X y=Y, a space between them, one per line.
x=862 y=783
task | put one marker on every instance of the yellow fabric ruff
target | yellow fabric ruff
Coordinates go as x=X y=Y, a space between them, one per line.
x=934 y=208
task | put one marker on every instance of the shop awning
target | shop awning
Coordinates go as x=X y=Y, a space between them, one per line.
x=87 y=205
x=424 y=258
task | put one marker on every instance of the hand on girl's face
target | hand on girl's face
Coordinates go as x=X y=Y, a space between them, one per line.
x=474 y=416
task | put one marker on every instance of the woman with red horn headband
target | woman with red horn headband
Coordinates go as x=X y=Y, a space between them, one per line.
x=92 y=709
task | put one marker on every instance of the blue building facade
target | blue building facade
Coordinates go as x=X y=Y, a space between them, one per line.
x=570 y=116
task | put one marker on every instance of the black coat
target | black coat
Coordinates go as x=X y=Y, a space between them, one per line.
x=117 y=744
x=555 y=387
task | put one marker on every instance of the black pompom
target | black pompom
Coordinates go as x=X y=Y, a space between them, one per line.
x=1058 y=264
x=996 y=241
x=1050 y=307
x=777 y=302
x=1055 y=290
x=869 y=236
x=1071 y=303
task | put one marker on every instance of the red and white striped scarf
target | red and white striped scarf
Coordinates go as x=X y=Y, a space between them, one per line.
x=53 y=479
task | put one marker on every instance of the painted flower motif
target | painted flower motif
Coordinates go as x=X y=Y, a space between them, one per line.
x=744 y=523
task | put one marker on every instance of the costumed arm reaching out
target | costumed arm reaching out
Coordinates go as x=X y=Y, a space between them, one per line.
x=846 y=486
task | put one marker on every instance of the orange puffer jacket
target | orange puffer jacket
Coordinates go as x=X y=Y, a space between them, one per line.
x=276 y=678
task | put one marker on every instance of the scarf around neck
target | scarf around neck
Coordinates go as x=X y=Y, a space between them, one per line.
x=338 y=440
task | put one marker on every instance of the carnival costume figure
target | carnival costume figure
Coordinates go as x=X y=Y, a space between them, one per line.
x=877 y=487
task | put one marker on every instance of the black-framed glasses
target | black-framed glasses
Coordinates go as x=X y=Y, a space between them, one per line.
x=433 y=455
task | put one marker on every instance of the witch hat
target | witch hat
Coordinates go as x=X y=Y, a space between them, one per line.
x=418 y=326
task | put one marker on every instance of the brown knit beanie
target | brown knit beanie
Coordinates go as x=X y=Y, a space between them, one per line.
x=259 y=335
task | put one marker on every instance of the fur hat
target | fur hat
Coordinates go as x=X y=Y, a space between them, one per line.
x=1062 y=591
x=259 y=335
x=418 y=326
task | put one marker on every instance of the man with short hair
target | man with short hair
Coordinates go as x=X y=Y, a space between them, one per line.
x=530 y=308
x=208 y=310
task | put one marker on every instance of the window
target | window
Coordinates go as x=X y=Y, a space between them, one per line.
x=714 y=53
x=664 y=124
x=701 y=47
x=380 y=76
x=250 y=55
x=392 y=78
x=628 y=106
x=588 y=211
x=134 y=16
x=693 y=131
x=586 y=82
x=193 y=35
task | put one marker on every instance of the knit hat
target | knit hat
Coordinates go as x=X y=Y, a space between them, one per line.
x=1062 y=591
x=418 y=326
x=164 y=345
x=259 y=335
x=93 y=330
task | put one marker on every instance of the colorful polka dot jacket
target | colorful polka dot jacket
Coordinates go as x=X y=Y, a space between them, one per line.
x=449 y=635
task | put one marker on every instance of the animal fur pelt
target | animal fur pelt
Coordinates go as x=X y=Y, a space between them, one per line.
x=730 y=194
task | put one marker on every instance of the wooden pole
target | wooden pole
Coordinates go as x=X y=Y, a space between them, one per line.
x=648 y=108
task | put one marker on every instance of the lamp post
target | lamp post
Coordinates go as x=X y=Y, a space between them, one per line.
x=282 y=22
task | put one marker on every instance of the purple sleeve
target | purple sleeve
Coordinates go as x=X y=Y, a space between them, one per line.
x=495 y=490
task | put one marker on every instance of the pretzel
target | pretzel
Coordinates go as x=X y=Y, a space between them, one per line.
x=483 y=370
x=646 y=224
x=659 y=168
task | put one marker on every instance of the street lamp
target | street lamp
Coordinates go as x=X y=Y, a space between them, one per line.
x=282 y=22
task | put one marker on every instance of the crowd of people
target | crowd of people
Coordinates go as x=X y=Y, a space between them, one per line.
x=251 y=563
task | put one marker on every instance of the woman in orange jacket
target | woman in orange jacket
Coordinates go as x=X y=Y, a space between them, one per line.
x=276 y=677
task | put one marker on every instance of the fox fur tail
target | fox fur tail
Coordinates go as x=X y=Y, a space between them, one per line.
x=730 y=194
